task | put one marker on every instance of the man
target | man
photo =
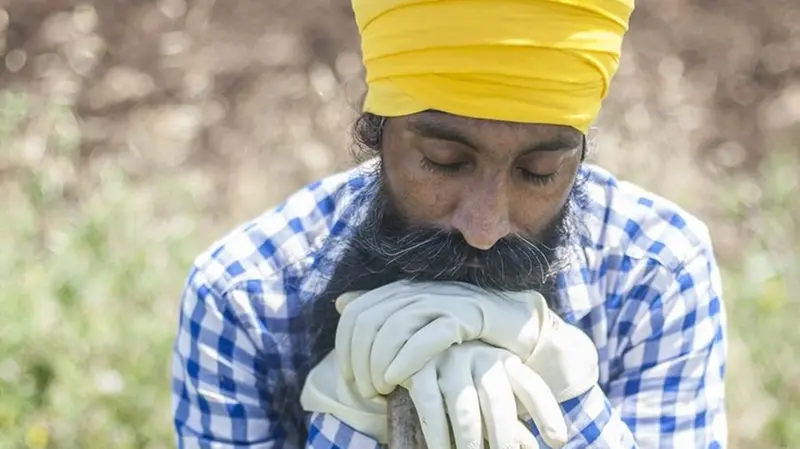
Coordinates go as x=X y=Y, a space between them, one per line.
x=476 y=121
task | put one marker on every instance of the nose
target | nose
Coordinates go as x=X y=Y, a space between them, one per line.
x=482 y=215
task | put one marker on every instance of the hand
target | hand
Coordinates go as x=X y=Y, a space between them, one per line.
x=326 y=391
x=387 y=334
x=477 y=385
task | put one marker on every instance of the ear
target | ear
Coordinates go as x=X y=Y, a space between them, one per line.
x=346 y=298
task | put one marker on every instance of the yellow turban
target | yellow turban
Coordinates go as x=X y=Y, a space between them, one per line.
x=530 y=61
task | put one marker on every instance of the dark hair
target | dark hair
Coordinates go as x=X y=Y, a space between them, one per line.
x=367 y=136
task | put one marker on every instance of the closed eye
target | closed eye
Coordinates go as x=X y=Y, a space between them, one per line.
x=449 y=169
x=537 y=178
x=441 y=168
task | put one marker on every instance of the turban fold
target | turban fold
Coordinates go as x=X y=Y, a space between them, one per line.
x=529 y=61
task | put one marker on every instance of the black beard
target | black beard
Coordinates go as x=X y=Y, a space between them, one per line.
x=384 y=248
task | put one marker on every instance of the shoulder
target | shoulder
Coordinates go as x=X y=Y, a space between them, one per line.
x=280 y=242
x=648 y=287
x=638 y=245
x=625 y=220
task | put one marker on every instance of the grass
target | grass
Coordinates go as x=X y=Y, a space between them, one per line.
x=91 y=272
x=760 y=285
x=93 y=263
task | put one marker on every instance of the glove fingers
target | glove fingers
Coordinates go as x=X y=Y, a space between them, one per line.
x=498 y=406
x=512 y=320
x=420 y=347
x=346 y=298
x=525 y=437
x=344 y=334
x=367 y=299
x=539 y=401
x=365 y=328
x=463 y=404
x=350 y=307
x=387 y=346
x=423 y=388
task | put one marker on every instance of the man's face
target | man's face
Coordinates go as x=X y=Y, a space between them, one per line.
x=483 y=179
x=458 y=199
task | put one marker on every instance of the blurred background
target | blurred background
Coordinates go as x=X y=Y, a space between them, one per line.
x=134 y=133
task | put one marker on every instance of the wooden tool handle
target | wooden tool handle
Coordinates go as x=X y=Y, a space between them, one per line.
x=404 y=428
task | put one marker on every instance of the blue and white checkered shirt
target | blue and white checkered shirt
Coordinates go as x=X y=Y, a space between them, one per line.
x=646 y=290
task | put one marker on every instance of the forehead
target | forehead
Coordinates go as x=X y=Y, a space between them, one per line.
x=491 y=129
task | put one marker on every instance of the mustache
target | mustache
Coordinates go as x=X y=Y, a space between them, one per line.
x=515 y=262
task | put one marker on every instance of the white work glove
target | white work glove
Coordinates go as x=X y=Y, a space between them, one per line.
x=476 y=385
x=326 y=391
x=387 y=334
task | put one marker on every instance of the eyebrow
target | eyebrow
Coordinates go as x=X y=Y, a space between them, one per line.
x=436 y=128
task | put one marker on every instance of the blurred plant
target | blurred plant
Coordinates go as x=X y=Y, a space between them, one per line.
x=760 y=285
x=89 y=291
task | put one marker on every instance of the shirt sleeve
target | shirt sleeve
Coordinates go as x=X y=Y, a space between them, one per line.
x=325 y=431
x=666 y=387
x=218 y=375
